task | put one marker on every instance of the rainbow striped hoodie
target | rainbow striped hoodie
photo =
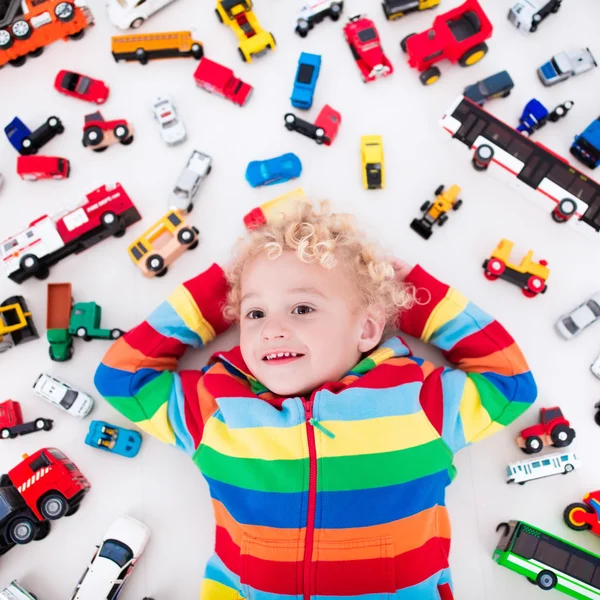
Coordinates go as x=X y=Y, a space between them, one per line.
x=334 y=496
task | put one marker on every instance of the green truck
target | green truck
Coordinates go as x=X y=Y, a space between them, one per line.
x=65 y=320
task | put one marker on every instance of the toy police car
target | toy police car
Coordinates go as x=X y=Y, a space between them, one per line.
x=566 y=64
x=315 y=11
x=172 y=129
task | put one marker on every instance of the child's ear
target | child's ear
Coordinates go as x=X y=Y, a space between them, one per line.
x=372 y=328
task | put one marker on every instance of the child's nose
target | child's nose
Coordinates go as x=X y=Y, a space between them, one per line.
x=274 y=330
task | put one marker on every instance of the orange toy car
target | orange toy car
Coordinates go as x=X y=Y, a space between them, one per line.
x=436 y=211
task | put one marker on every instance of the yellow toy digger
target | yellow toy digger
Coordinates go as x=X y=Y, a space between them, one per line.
x=436 y=211
x=529 y=276
x=16 y=321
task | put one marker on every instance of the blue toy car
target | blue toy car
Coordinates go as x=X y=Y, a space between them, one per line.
x=113 y=439
x=16 y=131
x=586 y=146
x=305 y=82
x=275 y=170
x=535 y=116
x=495 y=86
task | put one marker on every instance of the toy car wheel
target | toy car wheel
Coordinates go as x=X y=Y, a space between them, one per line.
x=562 y=436
x=319 y=135
x=82 y=333
x=438 y=190
x=597 y=417
x=110 y=220
x=53 y=506
x=197 y=51
x=28 y=147
x=186 y=236
x=273 y=43
x=474 y=55
x=21 y=531
x=6 y=434
x=196 y=242
x=219 y=15
x=155 y=263
x=442 y=220
x=574 y=516
x=425 y=206
x=430 y=76
x=302 y=27
x=137 y=23
x=241 y=52
x=43 y=530
x=77 y=36
x=546 y=579
x=127 y=141
x=290 y=121
x=121 y=132
x=404 y=41
x=40 y=424
x=93 y=136
x=457 y=204
x=496 y=267
x=568 y=469
x=72 y=509
x=54 y=123
x=142 y=56
x=535 y=285
x=64 y=12
x=335 y=10
x=533 y=444
x=115 y=334
x=21 y=29
x=29 y=263
x=6 y=40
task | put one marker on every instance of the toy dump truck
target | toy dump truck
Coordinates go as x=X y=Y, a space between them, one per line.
x=16 y=321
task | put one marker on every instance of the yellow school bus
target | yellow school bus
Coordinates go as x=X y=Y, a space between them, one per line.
x=148 y=46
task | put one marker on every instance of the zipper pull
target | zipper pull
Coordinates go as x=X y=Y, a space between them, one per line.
x=321 y=428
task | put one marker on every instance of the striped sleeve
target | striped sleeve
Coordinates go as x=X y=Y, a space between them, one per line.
x=138 y=375
x=491 y=385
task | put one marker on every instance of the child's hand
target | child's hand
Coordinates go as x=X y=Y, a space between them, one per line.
x=401 y=267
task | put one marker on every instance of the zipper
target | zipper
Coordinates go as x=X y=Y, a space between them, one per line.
x=312 y=494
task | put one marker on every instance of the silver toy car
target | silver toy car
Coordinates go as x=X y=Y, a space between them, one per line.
x=198 y=167
x=579 y=318
x=566 y=64
x=172 y=129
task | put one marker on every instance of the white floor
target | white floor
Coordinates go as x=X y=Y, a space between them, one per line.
x=161 y=487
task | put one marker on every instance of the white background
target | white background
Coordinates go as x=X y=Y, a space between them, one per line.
x=160 y=486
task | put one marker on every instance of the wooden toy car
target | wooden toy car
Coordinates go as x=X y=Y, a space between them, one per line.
x=81 y=86
x=62 y=395
x=294 y=123
x=99 y=134
x=364 y=42
x=253 y=40
x=394 y=9
x=274 y=170
x=458 y=35
x=437 y=211
x=315 y=11
x=33 y=168
x=142 y=47
x=172 y=130
x=535 y=468
x=26 y=141
x=131 y=14
x=526 y=15
x=16 y=321
x=162 y=244
x=552 y=430
x=529 y=276
x=574 y=322
x=373 y=166
x=111 y=438
x=197 y=169
x=307 y=74
x=564 y=65
x=12 y=425
x=216 y=78
x=495 y=86
x=581 y=516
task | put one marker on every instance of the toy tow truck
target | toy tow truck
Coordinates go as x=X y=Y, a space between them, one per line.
x=529 y=276
x=580 y=516
x=16 y=321
x=552 y=430
x=394 y=9
x=11 y=421
x=437 y=211
x=65 y=320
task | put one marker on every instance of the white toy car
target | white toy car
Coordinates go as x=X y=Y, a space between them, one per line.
x=526 y=15
x=197 y=169
x=566 y=64
x=111 y=565
x=126 y=14
x=314 y=11
x=172 y=129
x=63 y=396
x=543 y=466
x=15 y=592
x=585 y=314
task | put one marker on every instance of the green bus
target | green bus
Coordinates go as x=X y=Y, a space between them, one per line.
x=548 y=561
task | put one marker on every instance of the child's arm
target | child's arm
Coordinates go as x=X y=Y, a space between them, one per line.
x=137 y=375
x=492 y=384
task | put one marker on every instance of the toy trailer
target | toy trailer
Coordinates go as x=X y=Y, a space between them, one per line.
x=15 y=319
x=11 y=421
x=58 y=318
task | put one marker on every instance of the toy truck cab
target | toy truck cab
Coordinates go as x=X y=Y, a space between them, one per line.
x=586 y=146
x=552 y=430
x=85 y=323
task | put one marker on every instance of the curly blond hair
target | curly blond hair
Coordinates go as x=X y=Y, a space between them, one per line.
x=318 y=235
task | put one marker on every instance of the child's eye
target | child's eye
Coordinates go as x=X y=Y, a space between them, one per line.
x=255 y=314
x=302 y=309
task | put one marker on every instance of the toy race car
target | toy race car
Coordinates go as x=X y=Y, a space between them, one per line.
x=307 y=74
x=275 y=170
x=25 y=141
x=365 y=45
x=197 y=169
x=373 y=166
x=81 y=86
x=574 y=322
x=529 y=276
x=315 y=11
x=394 y=9
x=99 y=134
x=458 y=35
x=495 y=86
x=437 y=211
x=552 y=430
x=566 y=64
x=526 y=15
x=172 y=130
x=581 y=516
x=111 y=438
x=32 y=168
x=216 y=78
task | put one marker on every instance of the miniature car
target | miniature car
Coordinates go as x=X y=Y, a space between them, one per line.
x=81 y=86
x=172 y=129
x=574 y=322
x=33 y=168
x=365 y=45
x=529 y=276
x=12 y=425
x=586 y=145
x=552 y=430
x=62 y=395
x=458 y=35
x=526 y=15
x=114 y=560
x=111 y=438
x=437 y=211
x=27 y=142
x=307 y=74
x=99 y=134
x=330 y=120
x=294 y=123
x=315 y=11
x=216 y=78
x=566 y=64
x=394 y=9
x=275 y=170
x=535 y=115
x=126 y=14
x=581 y=516
x=253 y=39
x=495 y=86
x=373 y=171
x=535 y=468
x=198 y=167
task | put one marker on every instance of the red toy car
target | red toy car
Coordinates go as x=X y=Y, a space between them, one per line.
x=552 y=430
x=329 y=120
x=12 y=425
x=364 y=42
x=81 y=86
x=579 y=516
x=33 y=168
x=216 y=78
x=99 y=134
x=458 y=35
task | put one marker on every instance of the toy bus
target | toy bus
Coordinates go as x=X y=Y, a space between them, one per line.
x=147 y=46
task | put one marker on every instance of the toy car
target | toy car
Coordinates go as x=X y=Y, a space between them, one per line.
x=27 y=142
x=111 y=438
x=16 y=321
x=172 y=129
x=458 y=35
x=197 y=169
x=216 y=78
x=99 y=134
x=275 y=170
x=12 y=425
x=126 y=14
x=574 y=322
x=535 y=468
x=552 y=430
x=113 y=561
x=330 y=120
x=394 y=9
x=526 y=15
x=81 y=86
x=294 y=123
x=315 y=11
x=581 y=516
x=307 y=74
x=253 y=39
x=32 y=168
x=495 y=86
x=586 y=146
x=365 y=45
x=437 y=211
x=529 y=276
x=535 y=115
x=373 y=170
x=60 y=394
x=566 y=64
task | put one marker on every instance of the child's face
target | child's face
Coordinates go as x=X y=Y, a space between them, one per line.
x=292 y=307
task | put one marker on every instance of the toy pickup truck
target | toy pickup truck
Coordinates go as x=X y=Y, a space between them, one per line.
x=564 y=65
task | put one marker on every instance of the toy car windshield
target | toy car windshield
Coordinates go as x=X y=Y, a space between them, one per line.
x=305 y=73
x=367 y=35
x=83 y=85
x=465 y=26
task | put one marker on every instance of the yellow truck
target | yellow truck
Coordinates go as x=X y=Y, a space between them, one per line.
x=15 y=321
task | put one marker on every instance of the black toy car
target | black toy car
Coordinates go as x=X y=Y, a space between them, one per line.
x=41 y=136
x=495 y=86
x=294 y=123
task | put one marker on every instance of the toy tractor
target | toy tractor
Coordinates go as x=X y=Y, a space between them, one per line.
x=552 y=430
x=16 y=321
x=580 y=516
x=437 y=211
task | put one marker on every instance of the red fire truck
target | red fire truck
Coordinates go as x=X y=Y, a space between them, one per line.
x=106 y=211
